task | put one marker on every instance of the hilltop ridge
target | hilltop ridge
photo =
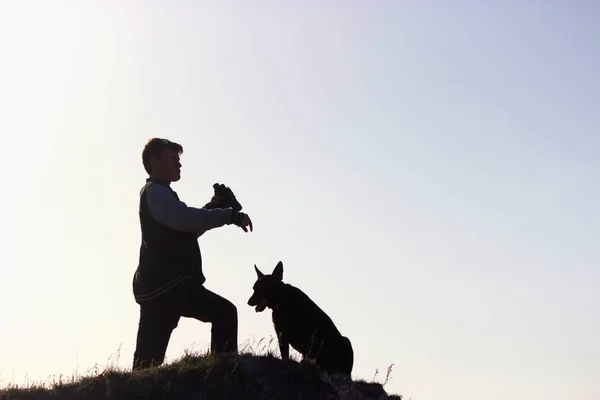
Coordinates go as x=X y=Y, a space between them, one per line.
x=202 y=376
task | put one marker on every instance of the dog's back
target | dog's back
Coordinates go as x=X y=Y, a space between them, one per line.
x=297 y=315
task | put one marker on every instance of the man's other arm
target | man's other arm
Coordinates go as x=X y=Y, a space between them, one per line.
x=166 y=209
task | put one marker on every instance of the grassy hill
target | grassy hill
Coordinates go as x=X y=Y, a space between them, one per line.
x=202 y=376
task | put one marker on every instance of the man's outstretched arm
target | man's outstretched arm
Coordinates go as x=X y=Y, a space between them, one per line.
x=166 y=209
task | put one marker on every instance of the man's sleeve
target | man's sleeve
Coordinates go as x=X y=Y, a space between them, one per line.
x=166 y=209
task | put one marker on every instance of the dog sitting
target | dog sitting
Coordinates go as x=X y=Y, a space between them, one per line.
x=299 y=322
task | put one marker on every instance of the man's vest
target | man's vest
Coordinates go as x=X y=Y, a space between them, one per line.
x=167 y=256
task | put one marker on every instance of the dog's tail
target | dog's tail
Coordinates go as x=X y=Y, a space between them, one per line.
x=347 y=355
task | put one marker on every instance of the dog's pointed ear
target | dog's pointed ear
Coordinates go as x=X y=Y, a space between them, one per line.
x=278 y=271
x=258 y=273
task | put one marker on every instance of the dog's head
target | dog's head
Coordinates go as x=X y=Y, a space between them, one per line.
x=266 y=288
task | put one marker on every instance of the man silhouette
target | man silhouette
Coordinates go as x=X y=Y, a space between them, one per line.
x=168 y=283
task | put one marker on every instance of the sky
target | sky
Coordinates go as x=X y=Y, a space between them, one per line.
x=427 y=173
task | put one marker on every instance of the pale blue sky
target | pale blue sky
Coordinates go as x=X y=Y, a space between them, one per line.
x=428 y=174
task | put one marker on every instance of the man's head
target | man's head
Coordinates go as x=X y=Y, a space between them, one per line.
x=161 y=159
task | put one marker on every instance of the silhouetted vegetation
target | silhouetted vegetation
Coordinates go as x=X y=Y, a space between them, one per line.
x=253 y=374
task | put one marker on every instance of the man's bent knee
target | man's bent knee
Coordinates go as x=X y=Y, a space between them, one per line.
x=232 y=311
x=228 y=312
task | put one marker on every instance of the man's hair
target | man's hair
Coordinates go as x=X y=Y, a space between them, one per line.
x=154 y=149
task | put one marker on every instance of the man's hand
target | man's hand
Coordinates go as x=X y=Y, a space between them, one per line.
x=242 y=220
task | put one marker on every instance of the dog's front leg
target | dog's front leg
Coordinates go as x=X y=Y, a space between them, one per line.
x=284 y=346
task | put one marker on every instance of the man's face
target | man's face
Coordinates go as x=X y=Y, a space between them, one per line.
x=167 y=167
